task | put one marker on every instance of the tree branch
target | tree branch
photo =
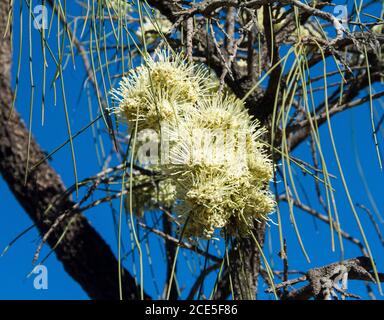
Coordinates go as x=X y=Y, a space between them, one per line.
x=84 y=254
x=324 y=282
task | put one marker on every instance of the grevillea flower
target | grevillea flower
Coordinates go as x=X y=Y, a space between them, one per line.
x=378 y=29
x=220 y=168
x=218 y=171
x=160 y=89
x=148 y=195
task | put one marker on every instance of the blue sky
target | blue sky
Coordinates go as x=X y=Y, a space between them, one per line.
x=17 y=262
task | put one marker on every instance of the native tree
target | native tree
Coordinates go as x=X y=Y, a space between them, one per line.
x=277 y=71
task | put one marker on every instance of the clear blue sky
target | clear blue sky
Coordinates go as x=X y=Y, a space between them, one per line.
x=16 y=264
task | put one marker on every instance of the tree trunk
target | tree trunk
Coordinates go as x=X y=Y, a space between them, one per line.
x=244 y=269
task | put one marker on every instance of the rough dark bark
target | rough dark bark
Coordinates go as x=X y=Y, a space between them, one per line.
x=325 y=283
x=170 y=251
x=84 y=254
x=244 y=269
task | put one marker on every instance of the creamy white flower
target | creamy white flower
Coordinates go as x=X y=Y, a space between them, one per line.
x=242 y=63
x=220 y=168
x=160 y=89
x=378 y=29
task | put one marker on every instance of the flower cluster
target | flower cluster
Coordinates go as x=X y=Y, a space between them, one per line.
x=148 y=195
x=218 y=174
x=158 y=90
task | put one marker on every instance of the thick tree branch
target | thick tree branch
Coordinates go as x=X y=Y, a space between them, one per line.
x=325 y=282
x=84 y=254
